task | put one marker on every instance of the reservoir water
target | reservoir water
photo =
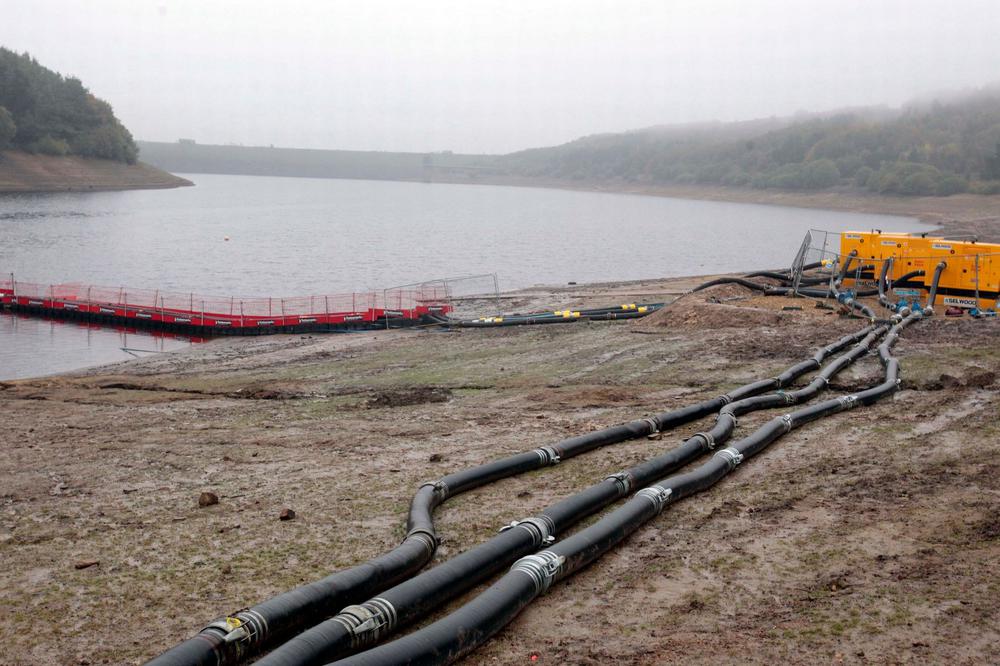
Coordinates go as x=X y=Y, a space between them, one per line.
x=259 y=236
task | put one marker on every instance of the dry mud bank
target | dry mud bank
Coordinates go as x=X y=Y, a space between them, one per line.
x=22 y=172
x=869 y=537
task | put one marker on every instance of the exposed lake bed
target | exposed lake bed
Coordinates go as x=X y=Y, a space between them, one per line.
x=106 y=466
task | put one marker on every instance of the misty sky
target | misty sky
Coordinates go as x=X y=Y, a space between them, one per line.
x=485 y=76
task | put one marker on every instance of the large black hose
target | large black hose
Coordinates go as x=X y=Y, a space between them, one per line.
x=628 y=311
x=787 y=281
x=906 y=277
x=462 y=631
x=815 y=293
x=773 y=275
x=846 y=266
x=883 y=299
x=749 y=284
x=234 y=638
x=849 y=299
x=783 y=274
x=773 y=290
x=357 y=627
x=929 y=310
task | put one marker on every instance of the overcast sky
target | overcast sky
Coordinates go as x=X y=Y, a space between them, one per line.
x=485 y=76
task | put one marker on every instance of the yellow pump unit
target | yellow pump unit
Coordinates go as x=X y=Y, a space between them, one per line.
x=970 y=280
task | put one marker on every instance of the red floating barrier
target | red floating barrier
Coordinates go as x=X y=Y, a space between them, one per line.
x=222 y=315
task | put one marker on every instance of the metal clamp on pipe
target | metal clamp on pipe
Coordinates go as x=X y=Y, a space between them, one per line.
x=654 y=429
x=540 y=527
x=244 y=626
x=658 y=495
x=548 y=455
x=623 y=480
x=231 y=628
x=440 y=487
x=541 y=567
x=709 y=440
x=427 y=536
x=848 y=401
x=731 y=456
x=368 y=622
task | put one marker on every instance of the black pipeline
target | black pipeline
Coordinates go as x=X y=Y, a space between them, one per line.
x=234 y=638
x=471 y=625
x=808 y=285
x=626 y=311
x=359 y=626
x=929 y=310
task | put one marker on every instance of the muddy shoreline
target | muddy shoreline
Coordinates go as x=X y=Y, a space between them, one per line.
x=960 y=214
x=22 y=173
x=871 y=537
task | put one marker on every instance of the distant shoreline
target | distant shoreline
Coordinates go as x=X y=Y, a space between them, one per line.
x=959 y=214
x=24 y=173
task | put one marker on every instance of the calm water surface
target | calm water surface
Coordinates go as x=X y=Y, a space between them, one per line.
x=296 y=236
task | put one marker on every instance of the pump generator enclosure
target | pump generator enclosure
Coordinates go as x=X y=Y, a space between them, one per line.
x=971 y=278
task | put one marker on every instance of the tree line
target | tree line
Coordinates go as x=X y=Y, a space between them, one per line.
x=42 y=111
x=937 y=148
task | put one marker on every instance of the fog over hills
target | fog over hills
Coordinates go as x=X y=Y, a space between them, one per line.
x=928 y=147
x=494 y=76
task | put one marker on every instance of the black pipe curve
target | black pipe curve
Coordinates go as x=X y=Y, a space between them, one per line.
x=465 y=629
x=360 y=626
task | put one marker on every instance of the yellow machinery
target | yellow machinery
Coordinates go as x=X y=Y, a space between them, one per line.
x=970 y=280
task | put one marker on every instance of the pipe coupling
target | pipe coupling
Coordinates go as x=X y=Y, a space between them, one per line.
x=548 y=455
x=726 y=398
x=439 y=486
x=654 y=426
x=623 y=480
x=731 y=455
x=246 y=626
x=540 y=527
x=658 y=495
x=848 y=401
x=368 y=622
x=431 y=540
x=786 y=422
x=541 y=567
x=707 y=437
